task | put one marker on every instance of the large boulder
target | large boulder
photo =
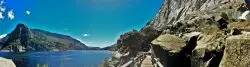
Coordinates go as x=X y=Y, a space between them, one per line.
x=169 y=42
x=170 y=50
x=6 y=63
x=209 y=49
x=237 y=51
x=211 y=39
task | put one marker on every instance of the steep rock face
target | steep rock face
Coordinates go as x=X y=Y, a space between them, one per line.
x=175 y=13
x=23 y=39
x=20 y=35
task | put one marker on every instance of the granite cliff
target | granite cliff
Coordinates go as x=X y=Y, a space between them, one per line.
x=191 y=33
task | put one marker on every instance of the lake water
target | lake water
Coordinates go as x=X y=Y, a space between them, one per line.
x=86 y=58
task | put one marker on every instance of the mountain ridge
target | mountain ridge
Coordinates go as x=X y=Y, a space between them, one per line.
x=23 y=39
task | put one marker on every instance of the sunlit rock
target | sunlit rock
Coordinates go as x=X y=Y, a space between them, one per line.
x=6 y=63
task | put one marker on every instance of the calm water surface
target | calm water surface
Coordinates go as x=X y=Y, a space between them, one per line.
x=86 y=58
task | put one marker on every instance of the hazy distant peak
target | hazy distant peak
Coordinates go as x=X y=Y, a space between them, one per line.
x=2 y=36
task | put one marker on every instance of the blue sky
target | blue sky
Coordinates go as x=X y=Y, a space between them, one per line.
x=94 y=22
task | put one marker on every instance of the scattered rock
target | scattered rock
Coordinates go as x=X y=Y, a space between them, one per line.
x=195 y=34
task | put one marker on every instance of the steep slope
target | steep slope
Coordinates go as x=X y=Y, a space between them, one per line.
x=24 y=39
x=202 y=24
x=61 y=41
x=186 y=15
x=20 y=36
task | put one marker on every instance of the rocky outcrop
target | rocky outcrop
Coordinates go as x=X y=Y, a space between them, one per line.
x=18 y=38
x=169 y=42
x=194 y=33
x=209 y=49
x=135 y=41
x=237 y=51
x=168 y=48
x=175 y=14
x=6 y=63
x=23 y=39
x=213 y=47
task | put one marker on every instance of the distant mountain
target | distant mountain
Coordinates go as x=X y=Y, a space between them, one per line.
x=23 y=39
x=2 y=36
x=110 y=48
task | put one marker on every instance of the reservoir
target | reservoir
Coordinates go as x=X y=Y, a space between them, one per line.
x=72 y=58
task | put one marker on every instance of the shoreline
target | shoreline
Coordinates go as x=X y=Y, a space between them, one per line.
x=7 y=51
x=23 y=60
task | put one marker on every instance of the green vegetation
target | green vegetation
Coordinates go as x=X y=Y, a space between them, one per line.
x=23 y=39
x=129 y=39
